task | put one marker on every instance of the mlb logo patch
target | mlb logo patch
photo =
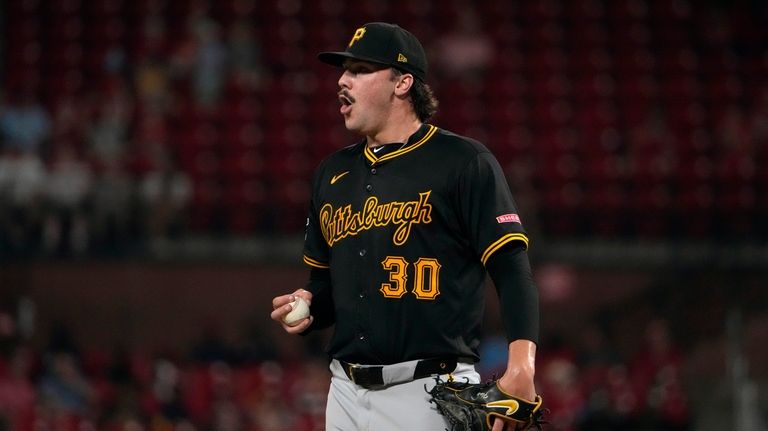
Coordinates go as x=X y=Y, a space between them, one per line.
x=508 y=218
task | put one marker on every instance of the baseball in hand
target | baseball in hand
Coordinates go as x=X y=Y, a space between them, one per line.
x=299 y=311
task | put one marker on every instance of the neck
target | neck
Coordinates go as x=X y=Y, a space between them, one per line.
x=397 y=130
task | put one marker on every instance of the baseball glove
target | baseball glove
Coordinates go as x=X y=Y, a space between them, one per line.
x=472 y=407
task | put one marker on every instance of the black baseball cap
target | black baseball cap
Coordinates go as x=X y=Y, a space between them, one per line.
x=383 y=43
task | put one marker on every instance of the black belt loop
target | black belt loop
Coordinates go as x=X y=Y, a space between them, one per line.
x=371 y=376
x=428 y=367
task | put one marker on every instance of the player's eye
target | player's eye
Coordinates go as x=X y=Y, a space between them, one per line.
x=360 y=68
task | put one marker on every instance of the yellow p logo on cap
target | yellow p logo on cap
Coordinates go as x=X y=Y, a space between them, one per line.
x=357 y=36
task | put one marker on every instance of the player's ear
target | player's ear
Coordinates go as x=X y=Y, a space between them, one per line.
x=403 y=84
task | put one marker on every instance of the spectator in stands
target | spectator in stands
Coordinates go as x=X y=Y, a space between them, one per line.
x=611 y=400
x=17 y=394
x=70 y=119
x=595 y=355
x=63 y=387
x=69 y=184
x=166 y=395
x=560 y=381
x=310 y=392
x=122 y=406
x=656 y=371
x=152 y=83
x=245 y=55
x=112 y=212
x=210 y=62
x=202 y=56
x=25 y=124
x=151 y=78
x=165 y=194
x=22 y=184
x=151 y=130
x=612 y=403
x=272 y=411
x=6 y=184
x=466 y=51
x=227 y=416
x=108 y=133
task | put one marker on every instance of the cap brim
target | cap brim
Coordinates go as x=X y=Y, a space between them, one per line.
x=337 y=58
x=334 y=58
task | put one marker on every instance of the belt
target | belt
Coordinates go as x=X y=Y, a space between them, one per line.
x=369 y=376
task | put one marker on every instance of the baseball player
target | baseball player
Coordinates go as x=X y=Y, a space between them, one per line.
x=403 y=227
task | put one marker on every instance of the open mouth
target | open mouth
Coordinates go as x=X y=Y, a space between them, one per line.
x=346 y=102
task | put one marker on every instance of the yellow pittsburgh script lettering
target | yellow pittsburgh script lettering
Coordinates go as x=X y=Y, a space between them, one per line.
x=339 y=223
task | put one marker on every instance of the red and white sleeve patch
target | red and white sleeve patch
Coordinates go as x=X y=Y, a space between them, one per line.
x=508 y=218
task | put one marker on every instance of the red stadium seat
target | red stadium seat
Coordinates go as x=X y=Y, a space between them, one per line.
x=580 y=79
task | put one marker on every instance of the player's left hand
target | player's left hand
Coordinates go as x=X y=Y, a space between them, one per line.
x=502 y=425
x=485 y=406
x=520 y=385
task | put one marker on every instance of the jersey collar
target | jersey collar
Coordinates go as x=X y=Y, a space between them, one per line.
x=419 y=138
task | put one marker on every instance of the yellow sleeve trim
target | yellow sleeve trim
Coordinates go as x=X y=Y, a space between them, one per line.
x=500 y=243
x=315 y=263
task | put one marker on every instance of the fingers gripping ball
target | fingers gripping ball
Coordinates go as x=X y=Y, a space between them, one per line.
x=299 y=311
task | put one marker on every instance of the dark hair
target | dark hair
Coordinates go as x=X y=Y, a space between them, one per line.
x=422 y=97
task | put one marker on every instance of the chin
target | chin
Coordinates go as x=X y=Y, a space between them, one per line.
x=351 y=126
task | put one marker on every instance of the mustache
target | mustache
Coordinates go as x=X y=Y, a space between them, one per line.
x=345 y=94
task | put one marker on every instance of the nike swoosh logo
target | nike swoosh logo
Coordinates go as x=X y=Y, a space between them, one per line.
x=338 y=177
x=511 y=406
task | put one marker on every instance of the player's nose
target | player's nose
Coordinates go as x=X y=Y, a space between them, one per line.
x=344 y=79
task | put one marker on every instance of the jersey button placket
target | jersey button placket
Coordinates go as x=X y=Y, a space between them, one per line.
x=361 y=336
x=369 y=187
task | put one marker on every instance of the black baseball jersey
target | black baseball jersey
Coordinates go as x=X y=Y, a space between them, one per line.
x=406 y=233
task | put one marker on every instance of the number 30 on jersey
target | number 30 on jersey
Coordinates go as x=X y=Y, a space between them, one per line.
x=426 y=275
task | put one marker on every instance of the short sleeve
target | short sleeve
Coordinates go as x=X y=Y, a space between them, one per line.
x=487 y=207
x=316 y=253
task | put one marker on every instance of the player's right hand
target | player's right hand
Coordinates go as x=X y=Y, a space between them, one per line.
x=281 y=307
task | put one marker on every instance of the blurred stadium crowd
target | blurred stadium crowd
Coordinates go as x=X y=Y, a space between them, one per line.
x=126 y=123
x=281 y=386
